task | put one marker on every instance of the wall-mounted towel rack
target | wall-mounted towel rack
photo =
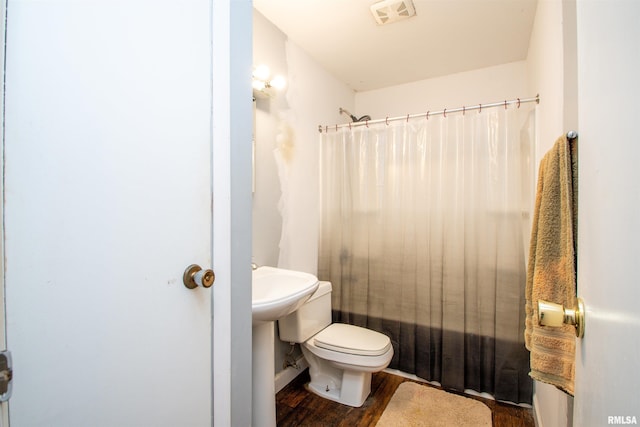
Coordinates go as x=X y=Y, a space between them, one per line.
x=572 y=134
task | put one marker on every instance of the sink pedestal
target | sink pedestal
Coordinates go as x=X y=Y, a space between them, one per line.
x=275 y=293
x=263 y=370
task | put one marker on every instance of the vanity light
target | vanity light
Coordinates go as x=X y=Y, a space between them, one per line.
x=278 y=82
x=263 y=83
x=261 y=72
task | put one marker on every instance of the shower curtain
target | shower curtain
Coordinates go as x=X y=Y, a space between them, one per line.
x=424 y=231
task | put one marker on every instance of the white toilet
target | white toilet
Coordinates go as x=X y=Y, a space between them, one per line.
x=341 y=357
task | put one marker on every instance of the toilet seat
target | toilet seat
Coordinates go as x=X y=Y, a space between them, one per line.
x=352 y=339
x=352 y=347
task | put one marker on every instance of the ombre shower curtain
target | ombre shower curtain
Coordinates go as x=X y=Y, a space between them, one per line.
x=424 y=229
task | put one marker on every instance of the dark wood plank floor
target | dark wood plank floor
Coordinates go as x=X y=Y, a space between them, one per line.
x=295 y=406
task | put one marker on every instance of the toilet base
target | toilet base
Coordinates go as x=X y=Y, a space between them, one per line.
x=353 y=390
x=342 y=377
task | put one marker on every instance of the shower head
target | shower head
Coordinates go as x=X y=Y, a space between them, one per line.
x=354 y=118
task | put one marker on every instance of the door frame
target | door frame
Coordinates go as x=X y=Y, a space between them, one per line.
x=4 y=406
x=232 y=106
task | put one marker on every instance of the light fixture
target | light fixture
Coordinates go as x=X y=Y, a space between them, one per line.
x=263 y=84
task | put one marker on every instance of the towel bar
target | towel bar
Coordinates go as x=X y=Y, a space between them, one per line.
x=555 y=315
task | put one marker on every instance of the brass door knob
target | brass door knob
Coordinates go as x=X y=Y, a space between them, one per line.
x=195 y=276
x=555 y=315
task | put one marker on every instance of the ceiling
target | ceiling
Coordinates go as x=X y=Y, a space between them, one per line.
x=444 y=37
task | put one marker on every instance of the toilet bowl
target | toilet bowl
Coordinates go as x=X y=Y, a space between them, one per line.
x=341 y=357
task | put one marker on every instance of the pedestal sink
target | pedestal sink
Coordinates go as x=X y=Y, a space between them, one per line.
x=276 y=292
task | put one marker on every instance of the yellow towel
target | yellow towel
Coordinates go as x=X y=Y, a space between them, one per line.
x=551 y=274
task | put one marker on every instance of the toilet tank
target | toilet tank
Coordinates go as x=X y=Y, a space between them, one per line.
x=312 y=317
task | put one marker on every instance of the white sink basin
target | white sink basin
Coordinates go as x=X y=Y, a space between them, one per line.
x=277 y=292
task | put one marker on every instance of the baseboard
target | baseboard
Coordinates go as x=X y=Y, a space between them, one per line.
x=285 y=376
x=536 y=417
x=466 y=391
x=411 y=376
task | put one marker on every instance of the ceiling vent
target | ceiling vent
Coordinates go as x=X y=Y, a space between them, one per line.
x=388 y=11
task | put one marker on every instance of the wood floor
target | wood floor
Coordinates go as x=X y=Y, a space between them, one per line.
x=297 y=407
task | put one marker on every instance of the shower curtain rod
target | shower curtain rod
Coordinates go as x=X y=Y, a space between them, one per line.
x=426 y=115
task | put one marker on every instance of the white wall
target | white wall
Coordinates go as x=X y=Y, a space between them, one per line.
x=485 y=85
x=286 y=199
x=548 y=68
x=268 y=49
x=545 y=70
x=285 y=208
x=314 y=97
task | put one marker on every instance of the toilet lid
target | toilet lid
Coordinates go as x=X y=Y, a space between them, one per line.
x=352 y=340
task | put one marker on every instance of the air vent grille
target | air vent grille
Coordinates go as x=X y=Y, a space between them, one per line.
x=388 y=11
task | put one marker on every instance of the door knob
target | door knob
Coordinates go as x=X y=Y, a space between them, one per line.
x=552 y=314
x=195 y=276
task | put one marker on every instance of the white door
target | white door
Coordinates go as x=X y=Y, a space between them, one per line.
x=107 y=200
x=608 y=357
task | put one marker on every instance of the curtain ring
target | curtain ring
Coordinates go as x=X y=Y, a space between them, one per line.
x=349 y=125
x=445 y=113
x=480 y=108
x=427 y=115
x=387 y=121
x=407 y=118
x=463 y=108
x=326 y=129
x=505 y=104
x=367 y=123
x=518 y=102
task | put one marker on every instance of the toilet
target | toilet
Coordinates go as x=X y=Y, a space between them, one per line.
x=341 y=357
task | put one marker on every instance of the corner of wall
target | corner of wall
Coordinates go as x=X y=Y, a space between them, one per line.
x=536 y=405
x=286 y=198
x=551 y=73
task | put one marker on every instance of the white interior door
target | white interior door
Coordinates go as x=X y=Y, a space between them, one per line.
x=107 y=201
x=608 y=357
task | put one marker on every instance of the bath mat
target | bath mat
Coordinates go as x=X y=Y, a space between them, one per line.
x=416 y=405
